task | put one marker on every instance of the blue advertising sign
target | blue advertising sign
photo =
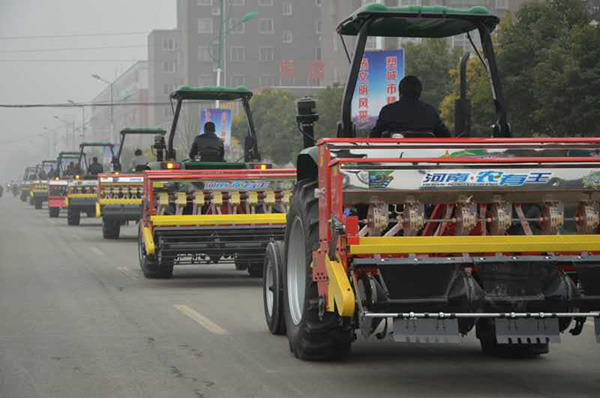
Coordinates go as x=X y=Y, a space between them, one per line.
x=377 y=85
x=222 y=120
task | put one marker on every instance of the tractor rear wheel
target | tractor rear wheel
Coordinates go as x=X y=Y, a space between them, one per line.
x=255 y=270
x=312 y=336
x=150 y=266
x=486 y=332
x=240 y=263
x=37 y=203
x=273 y=289
x=111 y=229
x=73 y=216
x=53 y=212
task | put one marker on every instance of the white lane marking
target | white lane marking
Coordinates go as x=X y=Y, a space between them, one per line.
x=127 y=272
x=201 y=320
x=97 y=251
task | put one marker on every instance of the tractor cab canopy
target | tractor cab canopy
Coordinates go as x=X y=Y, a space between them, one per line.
x=158 y=133
x=378 y=20
x=67 y=163
x=49 y=166
x=83 y=161
x=30 y=173
x=225 y=98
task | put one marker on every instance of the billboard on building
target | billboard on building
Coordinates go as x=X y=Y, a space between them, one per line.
x=377 y=85
x=222 y=120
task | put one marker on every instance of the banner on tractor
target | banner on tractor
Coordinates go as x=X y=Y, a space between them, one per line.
x=222 y=120
x=377 y=85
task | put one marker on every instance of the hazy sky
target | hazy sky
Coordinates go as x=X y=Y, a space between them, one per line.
x=31 y=79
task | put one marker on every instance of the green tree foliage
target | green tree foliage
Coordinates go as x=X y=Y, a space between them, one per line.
x=432 y=61
x=549 y=63
x=329 y=105
x=275 y=120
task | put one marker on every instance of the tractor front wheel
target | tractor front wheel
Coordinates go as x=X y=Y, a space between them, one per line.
x=150 y=266
x=53 y=212
x=312 y=336
x=73 y=216
x=273 y=289
x=111 y=229
x=255 y=270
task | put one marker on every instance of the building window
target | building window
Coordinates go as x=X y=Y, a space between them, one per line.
x=166 y=89
x=205 y=25
x=205 y=2
x=204 y=54
x=236 y=26
x=502 y=4
x=169 y=67
x=265 y=2
x=167 y=112
x=265 y=25
x=266 y=54
x=318 y=54
x=268 y=81
x=318 y=28
x=237 y=2
x=287 y=9
x=238 y=80
x=168 y=45
x=287 y=36
x=238 y=54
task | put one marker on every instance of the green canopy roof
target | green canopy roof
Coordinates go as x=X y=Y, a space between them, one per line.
x=49 y=161
x=417 y=21
x=212 y=93
x=154 y=131
x=104 y=144
x=68 y=154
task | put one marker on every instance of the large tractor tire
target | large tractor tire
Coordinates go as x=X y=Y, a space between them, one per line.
x=111 y=229
x=486 y=333
x=53 y=212
x=38 y=203
x=255 y=270
x=151 y=268
x=240 y=263
x=311 y=336
x=73 y=216
x=273 y=288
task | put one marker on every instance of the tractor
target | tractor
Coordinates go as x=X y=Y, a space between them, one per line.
x=82 y=194
x=198 y=212
x=39 y=187
x=57 y=185
x=415 y=238
x=120 y=192
x=25 y=186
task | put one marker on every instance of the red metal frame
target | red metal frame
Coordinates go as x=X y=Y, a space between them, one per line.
x=331 y=200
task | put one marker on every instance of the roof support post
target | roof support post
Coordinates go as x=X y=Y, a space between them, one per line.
x=501 y=127
x=170 y=149
x=346 y=129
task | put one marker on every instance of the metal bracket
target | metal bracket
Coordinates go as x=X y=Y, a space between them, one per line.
x=527 y=331
x=426 y=330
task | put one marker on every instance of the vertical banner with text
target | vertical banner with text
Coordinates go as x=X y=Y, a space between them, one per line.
x=222 y=120
x=377 y=85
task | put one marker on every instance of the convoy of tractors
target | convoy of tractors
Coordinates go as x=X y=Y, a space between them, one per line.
x=412 y=238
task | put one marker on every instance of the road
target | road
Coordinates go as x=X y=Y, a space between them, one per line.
x=77 y=319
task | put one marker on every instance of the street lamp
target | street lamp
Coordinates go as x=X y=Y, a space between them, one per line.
x=112 y=123
x=221 y=40
x=53 y=132
x=82 y=117
x=67 y=123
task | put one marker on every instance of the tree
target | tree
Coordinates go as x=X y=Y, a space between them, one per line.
x=329 y=105
x=432 y=62
x=275 y=121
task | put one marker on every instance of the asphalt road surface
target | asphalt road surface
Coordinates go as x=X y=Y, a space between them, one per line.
x=77 y=319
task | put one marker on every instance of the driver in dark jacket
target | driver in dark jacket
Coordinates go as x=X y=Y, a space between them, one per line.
x=208 y=147
x=409 y=114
